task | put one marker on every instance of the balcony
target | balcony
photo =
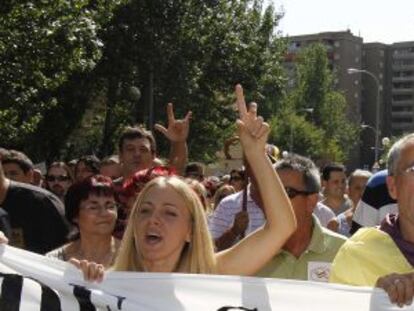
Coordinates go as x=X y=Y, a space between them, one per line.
x=402 y=114
x=405 y=127
x=402 y=67
x=402 y=103
x=402 y=91
x=403 y=79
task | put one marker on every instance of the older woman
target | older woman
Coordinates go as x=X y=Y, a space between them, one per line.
x=167 y=230
x=90 y=206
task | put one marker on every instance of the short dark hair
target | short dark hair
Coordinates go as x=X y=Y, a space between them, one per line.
x=136 y=132
x=194 y=167
x=19 y=158
x=98 y=185
x=91 y=161
x=303 y=165
x=241 y=172
x=332 y=167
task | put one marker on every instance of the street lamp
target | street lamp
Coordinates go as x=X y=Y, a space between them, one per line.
x=309 y=110
x=377 y=112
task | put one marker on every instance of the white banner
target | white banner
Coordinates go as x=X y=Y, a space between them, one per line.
x=52 y=285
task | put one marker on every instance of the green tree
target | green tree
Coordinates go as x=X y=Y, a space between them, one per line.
x=191 y=53
x=332 y=131
x=42 y=44
x=102 y=54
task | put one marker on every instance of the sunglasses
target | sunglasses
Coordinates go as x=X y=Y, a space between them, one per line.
x=292 y=192
x=52 y=178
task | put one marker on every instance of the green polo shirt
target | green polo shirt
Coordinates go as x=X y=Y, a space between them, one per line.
x=313 y=264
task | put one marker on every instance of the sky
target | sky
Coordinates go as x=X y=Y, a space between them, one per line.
x=374 y=20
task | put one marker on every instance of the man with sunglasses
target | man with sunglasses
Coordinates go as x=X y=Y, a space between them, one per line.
x=308 y=253
x=384 y=256
x=58 y=179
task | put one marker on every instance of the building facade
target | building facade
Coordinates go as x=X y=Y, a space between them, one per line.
x=344 y=50
x=391 y=91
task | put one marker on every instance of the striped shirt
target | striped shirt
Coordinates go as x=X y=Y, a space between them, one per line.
x=223 y=217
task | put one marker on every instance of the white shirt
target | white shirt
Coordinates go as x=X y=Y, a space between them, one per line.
x=222 y=218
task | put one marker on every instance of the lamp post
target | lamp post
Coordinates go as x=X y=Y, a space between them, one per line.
x=310 y=110
x=377 y=107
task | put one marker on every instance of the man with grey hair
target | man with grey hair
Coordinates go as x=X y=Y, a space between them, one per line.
x=308 y=253
x=384 y=256
x=356 y=184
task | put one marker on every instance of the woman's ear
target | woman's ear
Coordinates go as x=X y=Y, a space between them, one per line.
x=189 y=236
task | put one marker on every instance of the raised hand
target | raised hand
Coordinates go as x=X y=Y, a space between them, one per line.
x=177 y=130
x=253 y=131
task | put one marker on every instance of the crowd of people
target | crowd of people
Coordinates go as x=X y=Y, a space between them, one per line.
x=279 y=218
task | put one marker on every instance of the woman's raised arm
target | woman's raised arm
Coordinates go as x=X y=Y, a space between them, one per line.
x=251 y=253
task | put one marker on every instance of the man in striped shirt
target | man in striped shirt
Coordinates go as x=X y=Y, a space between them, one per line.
x=232 y=219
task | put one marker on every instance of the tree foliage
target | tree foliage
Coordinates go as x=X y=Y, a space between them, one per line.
x=42 y=44
x=60 y=58
x=191 y=53
x=325 y=133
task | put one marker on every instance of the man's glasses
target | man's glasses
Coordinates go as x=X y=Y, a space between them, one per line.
x=52 y=178
x=292 y=192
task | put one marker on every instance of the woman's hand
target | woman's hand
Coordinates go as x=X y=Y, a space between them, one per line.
x=92 y=272
x=399 y=287
x=280 y=223
x=252 y=130
x=3 y=238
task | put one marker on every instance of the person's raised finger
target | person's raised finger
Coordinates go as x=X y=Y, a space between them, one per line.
x=170 y=113
x=264 y=130
x=253 y=109
x=188 y=116
x=257 y=125
x=241 y=103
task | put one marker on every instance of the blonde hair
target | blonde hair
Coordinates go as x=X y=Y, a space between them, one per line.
x=196 y=257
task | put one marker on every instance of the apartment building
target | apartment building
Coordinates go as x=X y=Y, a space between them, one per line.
x=388 y=86
x=344 y=50
x=400 y=116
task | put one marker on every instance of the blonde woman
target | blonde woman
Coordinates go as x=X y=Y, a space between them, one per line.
x=167 y=230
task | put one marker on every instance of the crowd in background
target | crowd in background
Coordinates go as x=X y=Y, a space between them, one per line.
x=282 y=218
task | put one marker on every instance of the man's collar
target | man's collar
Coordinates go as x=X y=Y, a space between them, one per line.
x=317 y=243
